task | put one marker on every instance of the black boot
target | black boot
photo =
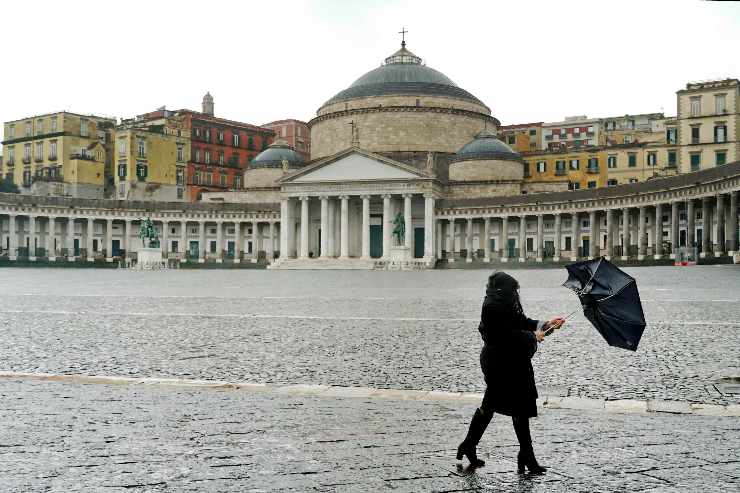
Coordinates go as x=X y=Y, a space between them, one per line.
x=478 y=426
x=526 y=458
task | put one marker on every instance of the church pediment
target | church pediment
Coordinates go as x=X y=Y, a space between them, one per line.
x=354 y=166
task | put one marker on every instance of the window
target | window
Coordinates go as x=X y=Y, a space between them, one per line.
x=180 y=194
x=593 y=165
x=719 y=104
x=611 y=182
x=633 y=180
x=28 y=129
x=720 y=133
x=180 y=176
x=560 y=167
x=511 y=139
x=695 y=161
x=532 y=132
x=574 y=185
x=39 y=126
x=652 y=159
x=209 y=178
x=631 y=124
x=11 y=156
x=696 y=106
x=221 y=158
x=84 y=131
x=197 y=155
x=207 y=134
x=26 y=153
x=39 y=154
x=222 y=180
x=671 y=135
x=611 y=161
x=720 y=157
x=122 y=169
x=592 y=184
x=238 y=181
x=208 y=156
x=27 y=178
x=11 y=132
x=197 y=131
x=632 y=159
x=575 y=164
x=530 y=244
x=141 y=170
x=671 y=159
x=53 y=124
x=180 y=152
x=695 y=134
x=141 y=143
x=627 y=139
x=235 y=139
x=121 y=147
x=527 y=174
x=220 y=135
x=541 y=166
x=196 y=177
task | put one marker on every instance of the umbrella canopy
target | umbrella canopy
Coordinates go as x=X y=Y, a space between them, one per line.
x=610 y=301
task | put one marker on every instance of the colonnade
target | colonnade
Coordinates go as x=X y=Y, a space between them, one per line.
x=707 y=226
x=336 y=230
x=34 y=236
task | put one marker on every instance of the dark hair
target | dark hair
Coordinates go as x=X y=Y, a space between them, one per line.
x=501 y=285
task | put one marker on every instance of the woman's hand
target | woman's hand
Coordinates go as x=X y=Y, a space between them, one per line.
x=540 y=335
x=555 y=323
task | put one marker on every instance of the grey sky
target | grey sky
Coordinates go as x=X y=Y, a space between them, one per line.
x=263 y=61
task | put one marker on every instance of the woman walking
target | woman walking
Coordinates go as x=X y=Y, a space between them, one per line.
x=510 y=340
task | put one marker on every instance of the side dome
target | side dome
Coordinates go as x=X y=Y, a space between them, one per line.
x=486 y=145
x=403 y=74
x=275 y=154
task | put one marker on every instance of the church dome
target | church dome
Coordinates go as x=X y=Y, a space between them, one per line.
x=403 y=74
x=486 y=145
x=273 y=156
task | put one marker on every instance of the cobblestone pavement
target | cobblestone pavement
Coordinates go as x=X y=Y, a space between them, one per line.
x=409 y=330
x=66 y=437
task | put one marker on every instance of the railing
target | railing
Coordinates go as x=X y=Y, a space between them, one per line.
x=592 y=169
x=26 y=160
x=560 y=172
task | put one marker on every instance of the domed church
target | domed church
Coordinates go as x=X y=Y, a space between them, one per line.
x=384 y=151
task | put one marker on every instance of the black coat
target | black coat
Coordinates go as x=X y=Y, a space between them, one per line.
x=505 y=359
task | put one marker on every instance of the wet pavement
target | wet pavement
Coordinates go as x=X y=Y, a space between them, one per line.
x=73 y=437
x=398 y=330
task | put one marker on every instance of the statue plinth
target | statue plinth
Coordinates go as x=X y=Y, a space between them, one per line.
x=149 y=258
x=400 y=253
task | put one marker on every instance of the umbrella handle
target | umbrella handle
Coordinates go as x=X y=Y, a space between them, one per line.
x=552 y=329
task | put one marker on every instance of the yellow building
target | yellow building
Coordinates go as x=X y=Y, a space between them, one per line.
x=58 y=154
x=523 y=137
x=709 y=124
x=581 y=168
x=632 y=163
x=151 y=160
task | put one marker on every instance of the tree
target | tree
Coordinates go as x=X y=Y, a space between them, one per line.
x=7 y=185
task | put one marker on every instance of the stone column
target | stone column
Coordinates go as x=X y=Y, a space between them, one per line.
x=257 y=243
x=202 y=242
x=304 y=227
x=641 y=235
x=13 y=235
x=625 y=233
x=706 y=234
x=540 y=238
x=593 y=247
x=344 y=227
x=575 y=233
x=408 y=240
x=658 y=242
x=439 y=236
x=365 y=227
x=732 y=223
x=109 y=240
x=674 y=229
x=487 y=239
x=89 y=237
x=609 y=233
x=504 y=239
x=238 y=242
x=558 y=239
x=51 y=252
x=165 y=240
x=270 y=252
x=429 y=226
x=219 y=242
x=31 y=238
x=285 y=224
x=387 y=226
x=469 y=239
x=183 y=240
x=70 y=238
x=324 y=243
x=719 y=251
x=451 y=237
x=690 y=224
x=522 y=238
x=331 y=225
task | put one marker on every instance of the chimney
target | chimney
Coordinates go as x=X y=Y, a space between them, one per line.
x=208 y=104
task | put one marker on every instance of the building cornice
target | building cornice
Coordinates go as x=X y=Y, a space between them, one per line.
x=404 y=109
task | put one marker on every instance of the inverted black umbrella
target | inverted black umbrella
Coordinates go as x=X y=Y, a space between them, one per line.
x=610 y=301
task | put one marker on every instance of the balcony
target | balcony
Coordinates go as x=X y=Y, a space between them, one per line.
x=548 y=137
x=52 y=157
x=48 y=179
x=694 y=140
x=83 y=156
x=592 y=169
x=26 y=160
x=39 y=159
x=560 y=172
x=11 y=162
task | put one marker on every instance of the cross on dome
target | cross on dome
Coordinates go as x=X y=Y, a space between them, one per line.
x=403 y=32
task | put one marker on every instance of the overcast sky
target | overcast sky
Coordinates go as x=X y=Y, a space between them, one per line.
x=263 y=61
